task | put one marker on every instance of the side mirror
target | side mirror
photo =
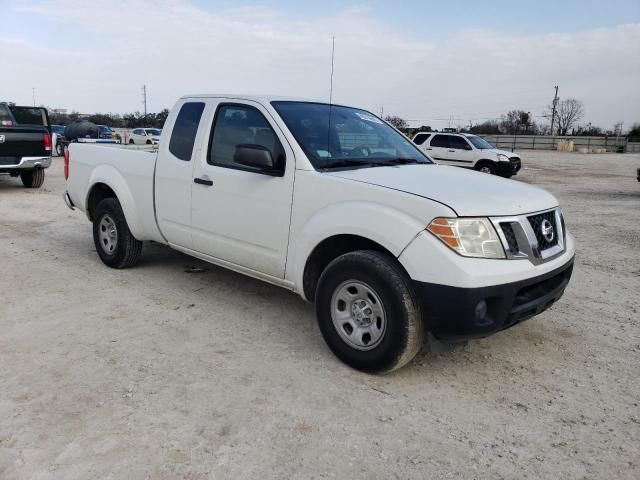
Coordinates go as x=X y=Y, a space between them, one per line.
x=255 y=156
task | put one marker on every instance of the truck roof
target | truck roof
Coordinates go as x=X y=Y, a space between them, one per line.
x=255 y=98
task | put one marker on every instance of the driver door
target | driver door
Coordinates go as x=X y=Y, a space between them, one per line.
x=460 y=152
x=241 y=214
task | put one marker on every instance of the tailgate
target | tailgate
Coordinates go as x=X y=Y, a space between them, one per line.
x=17 y=142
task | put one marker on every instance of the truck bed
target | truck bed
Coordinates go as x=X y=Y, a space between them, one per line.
x=131 y=174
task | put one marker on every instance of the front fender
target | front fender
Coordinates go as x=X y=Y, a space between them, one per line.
x=391 y=228
x=113 y=179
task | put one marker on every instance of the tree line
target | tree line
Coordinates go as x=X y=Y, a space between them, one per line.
x=566 y=121
x=114 y=120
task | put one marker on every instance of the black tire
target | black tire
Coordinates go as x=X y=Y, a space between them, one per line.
x=148 y=142
x=127 y=248
x=486 y=166
x=32 y=178
x=404 y=327
x=59 y=149
x=131 y=142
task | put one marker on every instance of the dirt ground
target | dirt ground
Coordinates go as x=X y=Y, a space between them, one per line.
x=156 y=373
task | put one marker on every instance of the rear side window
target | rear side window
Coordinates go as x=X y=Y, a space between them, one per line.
x=5 y=117
x=440 y=141
x=420 y=138
x=184 y=131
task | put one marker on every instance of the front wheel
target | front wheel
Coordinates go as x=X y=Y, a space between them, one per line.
x=115 y=244
x=33 y=178
x=486 y=167
x=368 y=312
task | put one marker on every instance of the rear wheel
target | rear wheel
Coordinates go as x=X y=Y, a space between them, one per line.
x=115 y=244
x=32 y=178
x=486 y=167
x=131 y=142
x=368 y=313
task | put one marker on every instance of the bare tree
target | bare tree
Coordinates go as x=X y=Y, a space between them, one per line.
x=399 y=123
x=515 y=122
x=568 y=113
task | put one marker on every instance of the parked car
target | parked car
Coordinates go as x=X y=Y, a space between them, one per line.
x=468 y=151
x=57 y=139
x=25 y=143
x=145 y=136
x=106 y=133
x=336 y=205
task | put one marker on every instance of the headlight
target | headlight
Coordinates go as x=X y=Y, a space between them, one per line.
x=502 y=157
x=470 y=237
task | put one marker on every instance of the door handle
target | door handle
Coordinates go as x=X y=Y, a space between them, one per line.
x=451 y=150
x=428 y=148
x=203 y=181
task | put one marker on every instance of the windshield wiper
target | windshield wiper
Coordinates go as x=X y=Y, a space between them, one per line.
x=399 y=161
x=347 y=163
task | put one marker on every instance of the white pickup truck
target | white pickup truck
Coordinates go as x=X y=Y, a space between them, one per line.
x=336 y=205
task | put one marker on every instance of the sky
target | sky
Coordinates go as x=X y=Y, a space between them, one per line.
x=432 y=63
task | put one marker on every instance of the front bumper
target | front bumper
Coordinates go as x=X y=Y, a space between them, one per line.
x=27 y=163
x=455 y=314
x=512 y=167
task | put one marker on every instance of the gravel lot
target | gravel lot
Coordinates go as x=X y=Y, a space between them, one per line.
x=157 y=373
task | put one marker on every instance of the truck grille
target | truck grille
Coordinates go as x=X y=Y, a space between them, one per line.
x=510 y=236
x=538 y=237
x=537 y=222
x=9 y=160
x=515 y=163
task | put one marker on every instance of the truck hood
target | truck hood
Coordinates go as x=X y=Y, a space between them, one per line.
x=467 y=192
x=497 y=151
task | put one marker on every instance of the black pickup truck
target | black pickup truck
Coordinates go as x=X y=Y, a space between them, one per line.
x=25 y=143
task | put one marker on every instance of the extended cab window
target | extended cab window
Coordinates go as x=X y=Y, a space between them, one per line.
x=237 y=125
x=459 y=143
x=420 y=138
x=440 y=141
x=184 y=131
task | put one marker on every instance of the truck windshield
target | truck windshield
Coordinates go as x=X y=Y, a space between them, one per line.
x=480 y=143
x=334 y=136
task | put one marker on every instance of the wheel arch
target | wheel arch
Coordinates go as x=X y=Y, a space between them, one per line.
x=107 y=182
x=347 y=226
x=328 y=250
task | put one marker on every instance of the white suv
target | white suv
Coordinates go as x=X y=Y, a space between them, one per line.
x=468 y=151
x=142 y=136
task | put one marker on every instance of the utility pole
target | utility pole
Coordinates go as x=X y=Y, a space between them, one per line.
x=144 y=99
x=33 y=93
x=382 y=112
x=553 y=112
